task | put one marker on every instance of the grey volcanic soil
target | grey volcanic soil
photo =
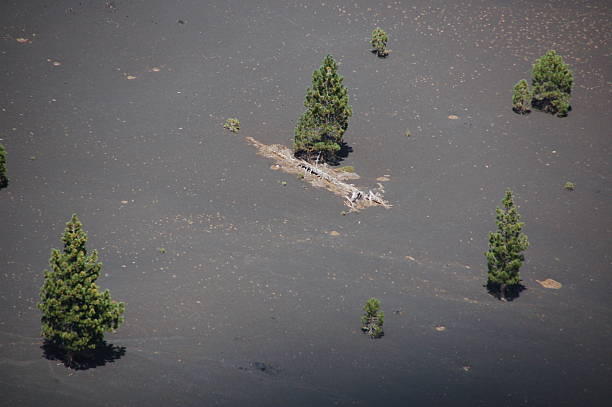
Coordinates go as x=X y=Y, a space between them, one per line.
x=254 y=302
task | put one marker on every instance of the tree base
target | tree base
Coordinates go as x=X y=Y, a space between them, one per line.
x=505 y=293
x=83 y=360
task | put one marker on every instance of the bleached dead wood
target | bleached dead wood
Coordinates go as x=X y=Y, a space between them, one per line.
x=322 y=175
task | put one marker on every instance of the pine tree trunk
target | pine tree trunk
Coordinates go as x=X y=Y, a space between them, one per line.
x=503 y=292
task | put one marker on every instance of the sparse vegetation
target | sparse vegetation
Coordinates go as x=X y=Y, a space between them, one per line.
x=505 y=255
x=75 y=314
x=319 y=131
x=552 y=83
x=3 y=177
x=347 y=168
x=379 y=42
x=232 y=124
x=521 y=97
x=373 y=318
x=570 y=186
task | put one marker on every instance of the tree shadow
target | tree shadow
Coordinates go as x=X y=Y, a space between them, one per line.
x=381 y=55
x=103 y=354
x=341 y=155
x=512 y=292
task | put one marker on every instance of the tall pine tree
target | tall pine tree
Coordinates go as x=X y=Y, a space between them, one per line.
x=319 y=130
x=3 y=177
x=505 y=255
x=75 y=314
x=552 y=83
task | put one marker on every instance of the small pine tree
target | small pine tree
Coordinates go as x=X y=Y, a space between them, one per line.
x=552 y=83
x=505 y=257
x=373 y=318
x=521 y=97
x=3 y=177
x=379 y=42
x=320 y=129
x=75 y=314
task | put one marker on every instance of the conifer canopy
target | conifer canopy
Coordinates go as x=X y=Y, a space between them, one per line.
x=505 y=255
x=521 y=97
x=552 y=83
x=75 y=314
x=320 y=129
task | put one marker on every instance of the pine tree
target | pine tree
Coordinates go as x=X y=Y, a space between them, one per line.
x=504 y=257
x=552 y=83
x=320 y=129
x=521 y=97
x=373 y=319
x=75 y=314
x=3 y=177
x=379 y=42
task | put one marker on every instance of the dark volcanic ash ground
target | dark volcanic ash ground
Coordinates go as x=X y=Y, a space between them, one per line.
x=114 y=110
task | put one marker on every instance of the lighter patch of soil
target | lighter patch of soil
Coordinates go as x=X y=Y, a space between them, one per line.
x=550 y=283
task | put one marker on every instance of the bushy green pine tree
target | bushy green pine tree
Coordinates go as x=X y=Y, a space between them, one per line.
x=379 y=42
x=3 y=177
x=75 y=314
x=373 y=318
x=552 y=83
x=320 y=129
x=521 y=97
x=505 y=255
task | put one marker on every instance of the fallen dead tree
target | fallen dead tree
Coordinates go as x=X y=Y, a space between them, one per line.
x=322 y=175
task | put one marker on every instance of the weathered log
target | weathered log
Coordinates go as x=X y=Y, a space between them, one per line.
x=354 y=197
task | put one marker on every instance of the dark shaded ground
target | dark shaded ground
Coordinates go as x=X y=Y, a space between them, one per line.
x=254 y=303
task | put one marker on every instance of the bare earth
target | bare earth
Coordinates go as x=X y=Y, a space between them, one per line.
x=115 y=110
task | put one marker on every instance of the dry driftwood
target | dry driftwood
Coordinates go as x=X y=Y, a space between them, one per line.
x=321 y=175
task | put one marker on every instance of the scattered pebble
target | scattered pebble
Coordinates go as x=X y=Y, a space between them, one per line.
x=440 y=328
x=334 y=233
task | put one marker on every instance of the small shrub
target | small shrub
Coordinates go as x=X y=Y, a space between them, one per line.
x=232 y=124
x=570 y=186
x=552 y=83
x=521 y=97
x=373 y=318
x=379 y=42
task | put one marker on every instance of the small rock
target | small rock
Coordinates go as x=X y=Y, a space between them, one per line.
x=334 y=233
x=440 y=328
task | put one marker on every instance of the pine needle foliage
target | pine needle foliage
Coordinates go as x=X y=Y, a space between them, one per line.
x=505 y=255
x=75 y=314
x=552 y=83
x=373 y=318
x=521 y=97
x=319 y=130
x=3 y=177
x=379 y=42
